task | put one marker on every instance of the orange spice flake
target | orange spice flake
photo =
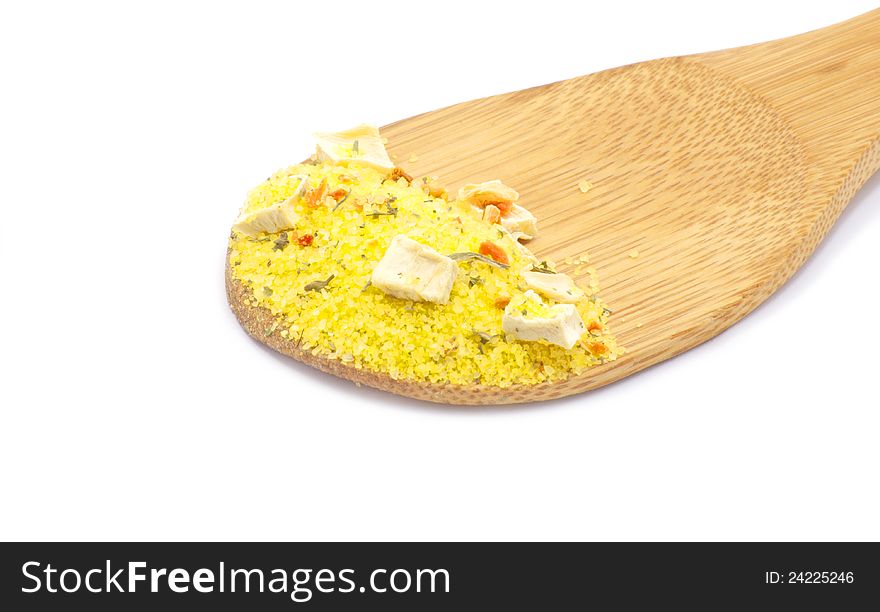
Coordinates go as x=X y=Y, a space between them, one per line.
x=490 y=249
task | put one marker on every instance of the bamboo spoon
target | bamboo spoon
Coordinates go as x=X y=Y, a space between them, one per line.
x=714 y=177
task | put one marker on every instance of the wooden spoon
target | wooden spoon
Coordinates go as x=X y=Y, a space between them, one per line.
x=714 y=177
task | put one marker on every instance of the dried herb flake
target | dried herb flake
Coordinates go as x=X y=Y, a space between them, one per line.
x=319 y=284
x=282 y=241
x=470 y=255
x=544 y=268
x=485 y=337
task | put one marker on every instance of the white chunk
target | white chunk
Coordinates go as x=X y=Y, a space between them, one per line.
x=560 y=324
x=275 y=217
x=412 y=271
x=520 y=222
x=360 y=144
x=488 y=192
x=557 y=287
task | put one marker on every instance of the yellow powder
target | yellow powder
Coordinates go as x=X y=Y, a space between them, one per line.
x=460 y=342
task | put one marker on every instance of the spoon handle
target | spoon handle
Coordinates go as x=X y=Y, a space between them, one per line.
x=826 y=85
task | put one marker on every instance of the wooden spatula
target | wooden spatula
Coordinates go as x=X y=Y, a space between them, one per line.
x=713 y=177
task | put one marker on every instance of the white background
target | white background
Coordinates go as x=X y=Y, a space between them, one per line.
x=134 y=406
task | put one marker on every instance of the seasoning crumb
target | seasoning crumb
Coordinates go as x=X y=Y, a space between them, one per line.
x=633 y=254
x=413 y=158
x=638 y=324
x=585 y=186
x=502 y=301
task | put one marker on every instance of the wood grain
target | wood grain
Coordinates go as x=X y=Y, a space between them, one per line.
x=723 y=170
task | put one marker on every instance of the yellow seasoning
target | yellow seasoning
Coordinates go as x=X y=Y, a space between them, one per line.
x=320 y=290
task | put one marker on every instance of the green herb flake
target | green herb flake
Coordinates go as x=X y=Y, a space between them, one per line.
x=391 y=212
x=282 y=241
x=543 y=268
x=470 y=255
x=319 y=284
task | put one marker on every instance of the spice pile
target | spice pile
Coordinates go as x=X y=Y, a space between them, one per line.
x=360 y=263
